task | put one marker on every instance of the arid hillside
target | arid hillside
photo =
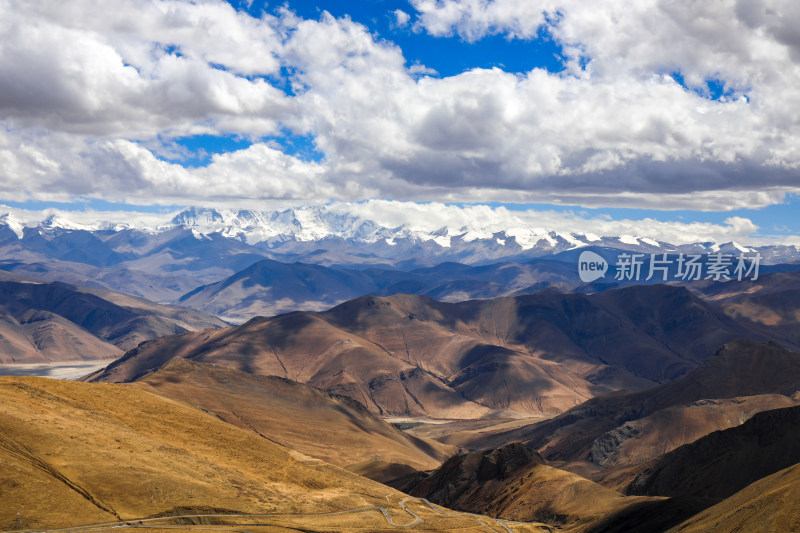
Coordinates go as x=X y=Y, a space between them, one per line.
x=55 y=322
x=316 y=423
x=77 y=454
x=409 y=355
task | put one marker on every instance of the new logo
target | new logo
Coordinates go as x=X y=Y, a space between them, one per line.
x=591 y=266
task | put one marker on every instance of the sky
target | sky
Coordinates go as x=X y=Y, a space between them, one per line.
x=674 y=119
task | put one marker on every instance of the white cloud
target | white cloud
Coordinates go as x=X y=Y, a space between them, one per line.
x=138 y=70
x=401 y=18
x=474 y=19
x=88 y=94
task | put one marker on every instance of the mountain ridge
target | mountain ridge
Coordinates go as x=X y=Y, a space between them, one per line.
x=409 y=355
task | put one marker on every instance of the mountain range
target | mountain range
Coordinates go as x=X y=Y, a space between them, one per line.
x=407 y=355
x=706 y=455
x=198 y=252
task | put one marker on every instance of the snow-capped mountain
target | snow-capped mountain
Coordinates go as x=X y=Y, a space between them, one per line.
x=297 y=232
x=303 y=224
x=204 y=257
x=318 y=223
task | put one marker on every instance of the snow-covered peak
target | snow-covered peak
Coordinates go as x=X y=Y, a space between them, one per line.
x=193 y=216
x=301 y=224
x=57 y=221
x=307 y=224
x=490 y=237
x=13 y=223
x=628 y=239
x=731 y=248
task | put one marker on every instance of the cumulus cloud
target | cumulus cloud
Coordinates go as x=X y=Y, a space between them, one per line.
x=587 y=137
x=87 y=95
x=139 y=70
x=124 y=171
x=401 y=18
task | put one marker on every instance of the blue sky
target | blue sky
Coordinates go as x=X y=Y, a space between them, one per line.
x=621 y=113
x=447 y=56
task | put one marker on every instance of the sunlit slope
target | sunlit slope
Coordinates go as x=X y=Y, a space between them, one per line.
x=332 y=428
x=769 y=505
x=407 y=355
x=739 y=368
x=76 y=453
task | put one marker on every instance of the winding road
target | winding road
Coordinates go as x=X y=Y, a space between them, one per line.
x=159 y=523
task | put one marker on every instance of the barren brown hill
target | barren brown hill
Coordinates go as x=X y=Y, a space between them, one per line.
x=39 y=336
x=412 y=356
x=396 y=364
x=306 y=348
x=325 y=426
x=741 y=368
x=718 y=465
x=44 y=321
x=77 y=454
x=766 y=506
x=644 y=439
x=771 y=304
x=514 y=483
x=632 y=337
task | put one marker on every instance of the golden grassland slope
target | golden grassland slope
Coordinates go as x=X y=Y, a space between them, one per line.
x=332 y=428
x=770 y=505
x=76 y=453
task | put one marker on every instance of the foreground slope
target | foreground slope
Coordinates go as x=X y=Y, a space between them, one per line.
x=768 y=505
x=302 y=418
x=77 y=453
x=131 y=453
